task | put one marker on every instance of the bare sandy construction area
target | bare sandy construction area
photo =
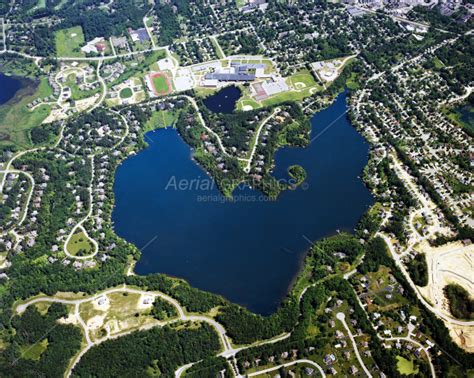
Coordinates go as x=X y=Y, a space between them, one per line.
x=451 y=263
x=463 y=336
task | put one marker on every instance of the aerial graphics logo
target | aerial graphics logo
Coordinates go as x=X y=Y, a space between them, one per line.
x=206 y=188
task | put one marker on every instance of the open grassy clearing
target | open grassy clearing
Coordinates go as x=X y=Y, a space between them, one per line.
x=16 y=119
x=295 y=95
x=352 y=82
x=119 y=311
x=216 y=48
x=79 y=244
x=205 y=92
x=406 y=367
x=41 y=4
x=69 y=42
x=126 y=93
x=43 y=307
x=160 y=119
x=34 y=352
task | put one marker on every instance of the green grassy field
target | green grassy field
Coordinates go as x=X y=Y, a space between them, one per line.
x=79 y=242
x=69 y=42
x=406 y=367
x=352 y=82
x=16 y=119
x=161 y=84
x=160 y=119
x=126 y=93
x=300 y=78
x=247 y=102
x=290 y=96
x=34 y=352
x=304 y=86
x=204 y=92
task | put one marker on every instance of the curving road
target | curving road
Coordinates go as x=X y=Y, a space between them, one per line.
x=407 y=339
x=302 y=361
x=342 y=318
x=412 y=284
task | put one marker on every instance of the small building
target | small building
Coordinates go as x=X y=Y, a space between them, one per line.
x=120 y=42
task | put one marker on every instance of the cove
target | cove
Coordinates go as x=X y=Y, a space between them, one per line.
x=249 y=250
x=9 y=86
x=223 y=101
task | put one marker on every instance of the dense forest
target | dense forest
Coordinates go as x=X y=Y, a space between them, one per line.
x=95 y=21
x=169 y=24
x=33 y=331
x=158 y=351
x=461 y=303
x=4 y=6
x=210 y=367
x=418 y=270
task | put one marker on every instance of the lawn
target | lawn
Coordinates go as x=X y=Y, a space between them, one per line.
x=79 y=242
x=16 y=119
x=289 y=96
x=160 y=119
x=406 y=367
x=438 y=63
x=126 y=93
x=204 y=92
x=69 y=42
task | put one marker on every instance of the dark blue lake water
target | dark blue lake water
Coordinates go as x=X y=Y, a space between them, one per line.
x=8 y=87
x=249 y=250
x=223 y=101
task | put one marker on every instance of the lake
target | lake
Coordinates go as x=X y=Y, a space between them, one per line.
x=9 y=86
x=223 y=101
x=249 y=250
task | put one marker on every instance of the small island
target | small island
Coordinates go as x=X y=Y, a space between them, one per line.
x=297 y=175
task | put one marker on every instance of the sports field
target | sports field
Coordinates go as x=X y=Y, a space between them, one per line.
x=161 y=84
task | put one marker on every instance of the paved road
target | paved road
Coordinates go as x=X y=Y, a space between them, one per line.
x=302 y=361
x=79 y=225
x=30 y=193
x=412 y=284
x=433 y=372
x=182 y=369
x=342 y=318
x=257 y=135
